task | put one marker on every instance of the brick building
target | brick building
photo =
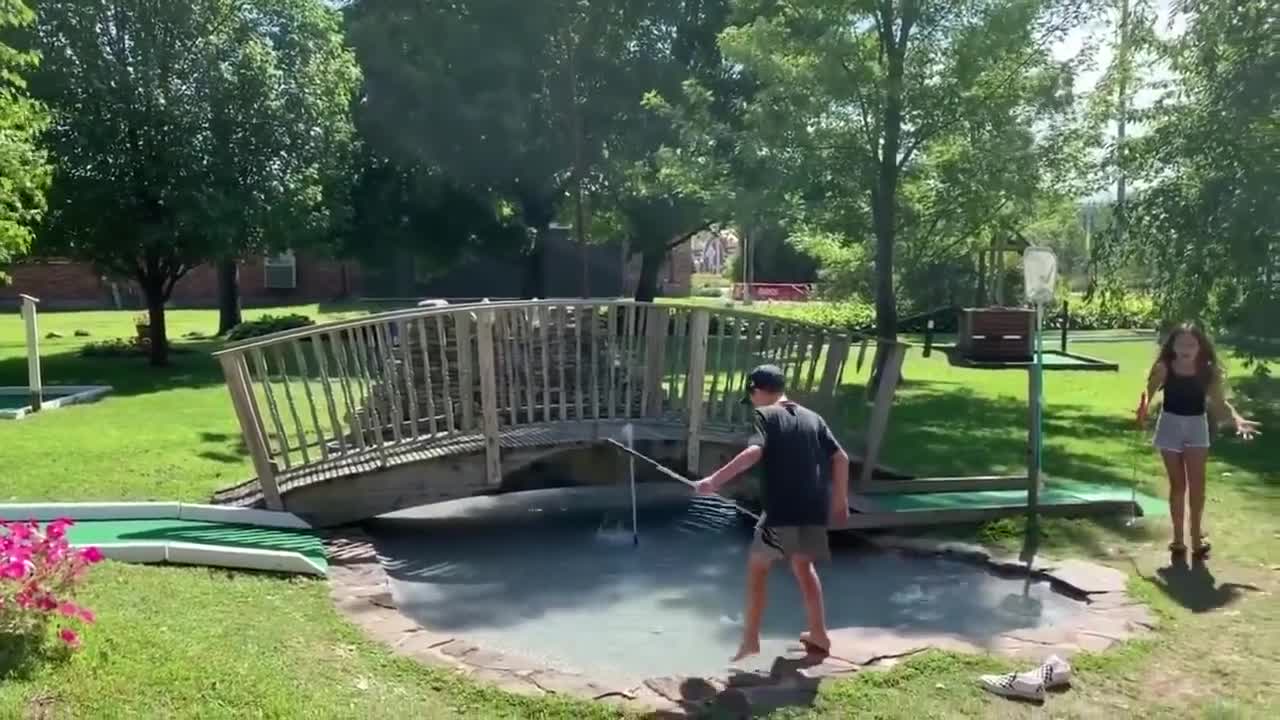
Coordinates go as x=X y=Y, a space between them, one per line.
x=299 y=279
x=285 y=280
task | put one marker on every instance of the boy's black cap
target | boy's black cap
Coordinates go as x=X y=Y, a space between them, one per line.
x=768 y=378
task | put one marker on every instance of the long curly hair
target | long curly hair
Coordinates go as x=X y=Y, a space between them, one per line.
x=1208 y=367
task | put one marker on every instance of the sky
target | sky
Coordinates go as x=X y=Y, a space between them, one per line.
x=1101 y=32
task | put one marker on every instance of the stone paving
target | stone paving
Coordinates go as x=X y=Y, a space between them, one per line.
x=360 y=590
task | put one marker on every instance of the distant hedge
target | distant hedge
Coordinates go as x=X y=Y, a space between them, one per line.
x=268 y=324
x=1129 y=313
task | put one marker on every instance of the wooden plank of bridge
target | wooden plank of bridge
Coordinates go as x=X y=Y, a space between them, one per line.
x=236 y=373
x=699 y=328
x=879 y=421
x=837 y=352
x=466 y=369
x=655 y=361
x=489 y=397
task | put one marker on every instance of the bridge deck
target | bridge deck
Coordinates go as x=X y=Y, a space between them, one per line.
x=547 y=435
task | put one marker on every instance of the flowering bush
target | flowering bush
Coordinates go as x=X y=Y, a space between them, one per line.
x=39 y=572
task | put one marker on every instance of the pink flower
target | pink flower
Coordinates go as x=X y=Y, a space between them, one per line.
x=69 y=637
x=57 y=529
x=91 y=555
x=13 y=570
x=39 y=573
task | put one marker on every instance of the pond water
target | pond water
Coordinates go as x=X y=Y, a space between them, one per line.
x=554 y=576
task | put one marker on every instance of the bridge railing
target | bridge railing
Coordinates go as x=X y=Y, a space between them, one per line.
x=362 y=392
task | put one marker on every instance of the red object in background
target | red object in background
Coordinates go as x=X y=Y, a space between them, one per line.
x=792 y=292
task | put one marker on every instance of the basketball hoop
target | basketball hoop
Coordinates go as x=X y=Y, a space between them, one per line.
x=1039 y=274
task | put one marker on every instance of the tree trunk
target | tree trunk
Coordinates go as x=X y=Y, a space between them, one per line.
x=534 y=283
x=228 y=295
x=538 y=210
x=884 y=192
x=650 y=267
x=159 y=338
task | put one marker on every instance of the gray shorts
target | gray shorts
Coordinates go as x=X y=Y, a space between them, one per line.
x=808 y=540
x=1175 y=433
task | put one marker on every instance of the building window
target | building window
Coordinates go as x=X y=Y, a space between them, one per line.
x=280 y=271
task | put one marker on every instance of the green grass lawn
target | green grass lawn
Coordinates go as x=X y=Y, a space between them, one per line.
x=192 y=642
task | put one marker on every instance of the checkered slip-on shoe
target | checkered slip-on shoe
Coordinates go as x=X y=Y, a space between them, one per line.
x=1054 y=673
x=1025 y=686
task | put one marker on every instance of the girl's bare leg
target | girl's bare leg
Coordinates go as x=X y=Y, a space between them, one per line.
x=1194 y=461
x=1174 y=468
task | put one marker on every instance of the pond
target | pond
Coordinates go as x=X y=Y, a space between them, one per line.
x=554 y=576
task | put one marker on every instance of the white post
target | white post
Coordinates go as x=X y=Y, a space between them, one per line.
x=33 y=351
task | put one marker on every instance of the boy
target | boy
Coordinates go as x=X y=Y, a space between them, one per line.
x=799 y=502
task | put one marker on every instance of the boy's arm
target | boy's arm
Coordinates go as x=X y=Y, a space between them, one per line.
x=732 y=469
x=840 y=486
x=743 y=462
x=839 y=476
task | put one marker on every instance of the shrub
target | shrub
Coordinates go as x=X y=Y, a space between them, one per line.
x=849 y=314
x=115 y=347
x=39 y=573
x=124 y=347
x=268 y=324
x=1124 y=312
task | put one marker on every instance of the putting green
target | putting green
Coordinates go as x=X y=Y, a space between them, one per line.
x=1060 y=493
x=98 y=532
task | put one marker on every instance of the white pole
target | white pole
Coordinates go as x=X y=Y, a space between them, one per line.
x=33 y=351
x=629 y=432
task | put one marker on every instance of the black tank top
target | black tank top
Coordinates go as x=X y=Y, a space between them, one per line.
x=1183 y=394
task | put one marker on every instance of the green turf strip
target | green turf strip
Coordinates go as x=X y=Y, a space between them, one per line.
x=95 y=532
x=1060 y=493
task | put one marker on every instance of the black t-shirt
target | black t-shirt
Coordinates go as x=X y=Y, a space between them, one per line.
x=798 y=447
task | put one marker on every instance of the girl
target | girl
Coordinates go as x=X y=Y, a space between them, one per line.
x=1188 y=372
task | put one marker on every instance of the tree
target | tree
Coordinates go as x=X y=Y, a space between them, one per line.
x=282 y=136
x=477 y=93
x=530 y=101
x=1206 y=227
x=24 y=165
x=184 y=132
x=400 y=208
x=900 y=114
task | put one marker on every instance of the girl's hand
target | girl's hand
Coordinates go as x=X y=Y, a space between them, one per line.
x=1247 y=429
x=1142 y=411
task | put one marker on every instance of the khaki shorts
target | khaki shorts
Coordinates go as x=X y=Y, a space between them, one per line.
x=808 y=540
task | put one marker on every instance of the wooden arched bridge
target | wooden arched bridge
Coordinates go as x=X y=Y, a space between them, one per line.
x=356 y=418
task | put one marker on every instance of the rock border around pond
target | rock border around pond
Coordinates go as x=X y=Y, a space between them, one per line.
x=361 y=592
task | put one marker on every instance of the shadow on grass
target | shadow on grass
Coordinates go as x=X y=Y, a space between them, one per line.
x=1257 y=398
x=945 y=429
x=127 y=376
x=21 y=654
x=230 y=449
x=1194 y=587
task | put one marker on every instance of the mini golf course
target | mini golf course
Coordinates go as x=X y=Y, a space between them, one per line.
x=187 y=534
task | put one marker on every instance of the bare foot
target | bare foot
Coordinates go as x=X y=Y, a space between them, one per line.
x=747 y=649
x=815 y=641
